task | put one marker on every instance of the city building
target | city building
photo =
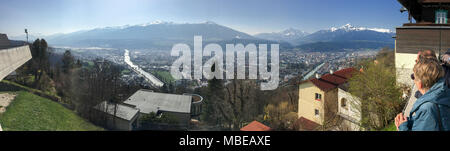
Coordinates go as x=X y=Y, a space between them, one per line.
x=144 y=102
x=430 y=30
x=11 y=56
x=325 y=99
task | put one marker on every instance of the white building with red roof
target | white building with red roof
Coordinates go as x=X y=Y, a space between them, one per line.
x=325 y=101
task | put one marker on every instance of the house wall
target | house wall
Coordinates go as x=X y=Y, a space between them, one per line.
x=120 y=124
x=404 y=64
x=410 y=40
x=331 y=105
x=183 y=118
x=351 y=114
x=429 y=13
x=307 y=103
x=117 y=124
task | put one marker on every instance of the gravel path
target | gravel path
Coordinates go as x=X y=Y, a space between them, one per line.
x=5 y=100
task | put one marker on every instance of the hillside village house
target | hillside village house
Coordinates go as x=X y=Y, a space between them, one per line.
x=143 y=102
x=430 y=31
x=324 y=101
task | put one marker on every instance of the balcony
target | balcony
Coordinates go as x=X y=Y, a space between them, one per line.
x=196 y=106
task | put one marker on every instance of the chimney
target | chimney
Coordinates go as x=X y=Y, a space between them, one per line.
x=331 y=71
x=317 y=76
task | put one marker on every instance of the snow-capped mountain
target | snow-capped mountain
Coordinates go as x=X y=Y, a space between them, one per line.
x=163 y=35
x=349 y=33
x=156 y=22
x=289 y=35
x=347 y=37
x=149 y=35
x=349 y=27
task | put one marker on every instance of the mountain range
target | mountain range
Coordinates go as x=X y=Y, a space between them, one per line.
x=290 y=35
x=163 y=35
x=346 y=37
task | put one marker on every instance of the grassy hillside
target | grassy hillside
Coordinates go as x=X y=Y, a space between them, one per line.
x=164 y=76
x=29 y=112
x=390 y=127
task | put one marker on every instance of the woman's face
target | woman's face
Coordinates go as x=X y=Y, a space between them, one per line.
x=418 y=84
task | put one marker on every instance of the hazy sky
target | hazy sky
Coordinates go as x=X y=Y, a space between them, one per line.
x=250 y=16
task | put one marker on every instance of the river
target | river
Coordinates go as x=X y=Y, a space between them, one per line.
x=312 y=72
x=149 y=77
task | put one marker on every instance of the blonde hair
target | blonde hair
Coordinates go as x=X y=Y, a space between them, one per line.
x=428 y=71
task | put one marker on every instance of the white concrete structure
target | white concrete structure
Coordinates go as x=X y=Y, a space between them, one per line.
x=11 y=58
x=144 y=102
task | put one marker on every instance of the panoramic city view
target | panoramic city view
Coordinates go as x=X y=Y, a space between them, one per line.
x=178 y=65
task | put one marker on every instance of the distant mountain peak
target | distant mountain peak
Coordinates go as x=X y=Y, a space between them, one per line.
x=290 y=35
x=156 y=22
x=209 y=22
x=293 y=32
x=349 y=27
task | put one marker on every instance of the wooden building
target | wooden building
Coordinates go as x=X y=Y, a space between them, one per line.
x=428 y=29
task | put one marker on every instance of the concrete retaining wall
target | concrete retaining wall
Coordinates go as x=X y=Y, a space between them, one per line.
x=13 y=58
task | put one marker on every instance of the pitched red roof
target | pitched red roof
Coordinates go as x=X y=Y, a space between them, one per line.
x=255 y=126
x=330 y=81
x=323 y=85
x=345 y=73
x=336 y=80
x=305 y=124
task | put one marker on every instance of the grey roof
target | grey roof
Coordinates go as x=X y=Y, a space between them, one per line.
x=147 y=102
x=123 y=111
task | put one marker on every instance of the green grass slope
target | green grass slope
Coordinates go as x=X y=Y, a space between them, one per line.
x=390 y=127
x=29 y=112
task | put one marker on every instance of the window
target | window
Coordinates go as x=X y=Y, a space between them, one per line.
x=316 y=112
x=344 y=103
x=441 y=16
x=318 y=97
